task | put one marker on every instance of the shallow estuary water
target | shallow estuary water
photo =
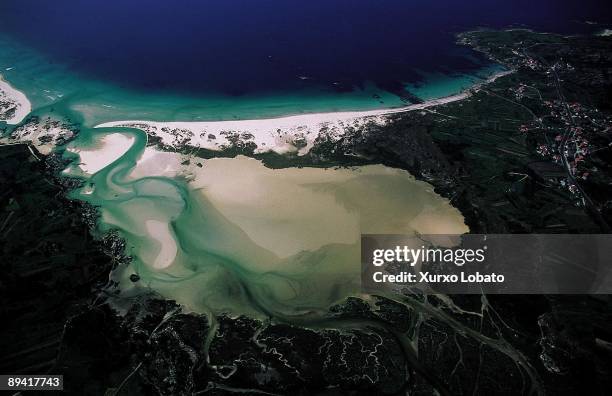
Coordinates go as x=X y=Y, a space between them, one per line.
x=235 y=236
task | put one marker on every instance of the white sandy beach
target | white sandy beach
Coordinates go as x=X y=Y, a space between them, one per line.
x=13 y=101
x=296 y=133
x=109 y=148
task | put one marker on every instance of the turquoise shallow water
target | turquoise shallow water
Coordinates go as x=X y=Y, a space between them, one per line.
x=438 y=85
x=232 y=236
x=50 y=85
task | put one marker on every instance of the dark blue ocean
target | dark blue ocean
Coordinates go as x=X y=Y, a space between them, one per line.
x=240 y=47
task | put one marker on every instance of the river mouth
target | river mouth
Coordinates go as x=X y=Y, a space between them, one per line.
x=229 y=235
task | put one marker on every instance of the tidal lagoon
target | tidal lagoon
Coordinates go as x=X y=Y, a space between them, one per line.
x=229 y=234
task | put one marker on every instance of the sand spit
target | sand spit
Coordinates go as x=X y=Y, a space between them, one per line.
x=108 y=149
x=14 y=105
x=296 y=133
x=160 y=232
